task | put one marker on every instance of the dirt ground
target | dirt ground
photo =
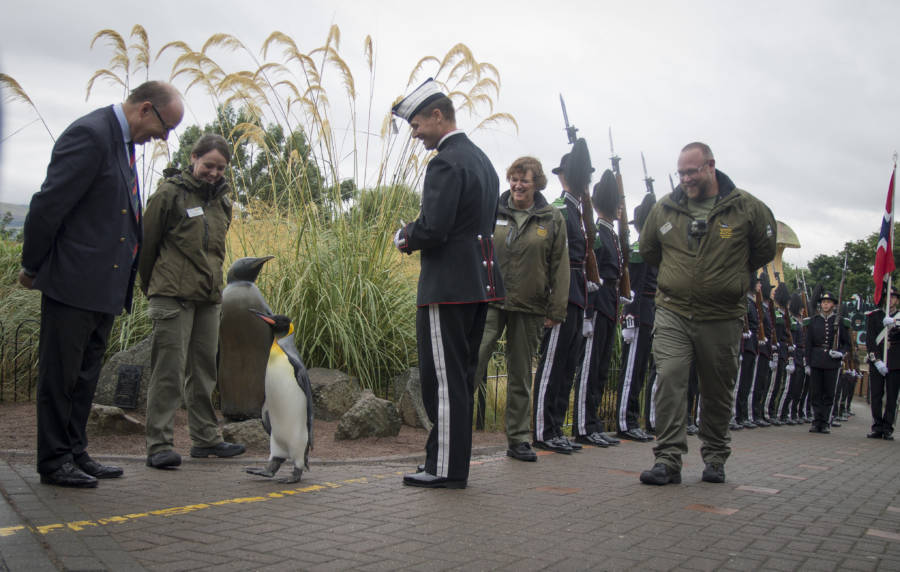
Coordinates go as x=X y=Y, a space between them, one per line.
x=18 y=433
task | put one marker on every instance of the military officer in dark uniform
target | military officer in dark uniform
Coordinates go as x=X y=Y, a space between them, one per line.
x=824 y=356
x=636 y=338
x=764 y=361
x=458 y=277
x=750 y=343
x=793 y=381
x=562 y=344
x=603 y=315
x=884 y=376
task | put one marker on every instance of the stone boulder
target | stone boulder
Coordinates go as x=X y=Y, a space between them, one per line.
x=411 y=407
x=370 y=416
x=334 y=392
x=106 y=420
x=249 y=433
x=136 y=355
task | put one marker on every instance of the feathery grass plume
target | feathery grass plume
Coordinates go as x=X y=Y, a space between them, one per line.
x=141 y=48
x=15 y=93
x=498 y=118
x=118 y=61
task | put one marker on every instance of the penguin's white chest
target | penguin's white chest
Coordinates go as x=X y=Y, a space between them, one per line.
x=286 y=403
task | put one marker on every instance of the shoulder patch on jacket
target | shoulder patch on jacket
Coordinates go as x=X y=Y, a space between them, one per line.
x=845 y=321
x=806 y=321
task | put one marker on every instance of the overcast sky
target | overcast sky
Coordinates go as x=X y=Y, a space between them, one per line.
x=798 y=100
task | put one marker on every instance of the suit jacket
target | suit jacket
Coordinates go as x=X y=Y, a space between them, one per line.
x=874 y=328
x=455 y=227
x=82 y=234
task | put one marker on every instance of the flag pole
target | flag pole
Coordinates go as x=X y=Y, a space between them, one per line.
x=887 y=302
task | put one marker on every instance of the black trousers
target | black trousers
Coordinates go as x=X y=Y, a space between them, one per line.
x=561 y=349
x=795 y=392
x=72 y=343
x=761 y=386
x=773 y=397
x=821 y=392
x=649 y=397
x=805 y=401
x=631 y=379
x=742 y=408
x=884 y=392
x=448 y=339
x=591 y=377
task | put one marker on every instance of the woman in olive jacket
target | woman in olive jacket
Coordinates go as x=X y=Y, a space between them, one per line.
x=181 y=273
x=530 y=247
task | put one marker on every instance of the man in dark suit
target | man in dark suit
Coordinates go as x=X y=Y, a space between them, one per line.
x=454 y=232
x=82 y=237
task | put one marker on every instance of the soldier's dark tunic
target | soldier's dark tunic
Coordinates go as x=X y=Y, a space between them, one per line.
x=562 y=345
x=594 y=370
x=457 y=280
x=824 y=369
x=883 y=389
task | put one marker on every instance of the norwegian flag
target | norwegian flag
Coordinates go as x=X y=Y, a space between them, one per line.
x=884 y=252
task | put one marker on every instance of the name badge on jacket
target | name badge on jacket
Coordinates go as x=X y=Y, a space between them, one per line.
x=196 y=211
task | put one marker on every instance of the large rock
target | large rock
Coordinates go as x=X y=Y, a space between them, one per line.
x=136 y=355
x=411 y=407
x=106 y=420
x=249 y=433
x=369 y=417
x=334 y=392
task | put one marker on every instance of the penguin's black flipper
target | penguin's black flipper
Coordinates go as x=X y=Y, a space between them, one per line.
x=290 y=350
x=267 y=423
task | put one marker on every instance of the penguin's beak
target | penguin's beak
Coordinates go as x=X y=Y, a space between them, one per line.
x=265 y=318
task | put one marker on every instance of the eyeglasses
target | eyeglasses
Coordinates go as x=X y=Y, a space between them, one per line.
x=692 y=172
x=166 y=128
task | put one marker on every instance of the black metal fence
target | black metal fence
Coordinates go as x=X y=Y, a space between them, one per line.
x=18 y=361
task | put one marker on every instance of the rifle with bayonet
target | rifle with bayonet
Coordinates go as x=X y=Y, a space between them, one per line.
x=578 y=177
x=840 y=309
x=622 y=214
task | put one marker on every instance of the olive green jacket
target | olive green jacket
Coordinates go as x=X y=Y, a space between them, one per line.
x=534 y=260
x=705 y=278
x=185 y=223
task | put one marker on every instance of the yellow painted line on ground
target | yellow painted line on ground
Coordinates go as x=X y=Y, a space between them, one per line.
x=79 y=525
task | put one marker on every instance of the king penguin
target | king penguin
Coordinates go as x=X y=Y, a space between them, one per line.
x=244 y=341
x=287 y=413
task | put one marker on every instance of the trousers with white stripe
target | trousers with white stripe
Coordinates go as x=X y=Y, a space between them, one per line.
x=591 y=377
x=631 y=379
x=561 y=350
x=448 y=338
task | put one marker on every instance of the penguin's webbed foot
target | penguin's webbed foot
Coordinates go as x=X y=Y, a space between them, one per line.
x=270 y=470
x=294 y=478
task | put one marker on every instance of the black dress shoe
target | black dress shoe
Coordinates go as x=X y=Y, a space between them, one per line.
x=429 y=481
x=647 y=436
x=69 y=475
x=555 y=444
x=593 y=440
x=519 y=451
x=164 y=460
x=824 y=429
x=574 y=446
x=223 y=449
x=776 y=422
x=692 y=429
x=660 y=474
x=762 y=423
x=631 y=435
x=98 y=471
x=735 y=426
x=749 y=424
x=835 y=423
x=875 y=435
x=888 y=435
x=610 y=440
x=420 y=468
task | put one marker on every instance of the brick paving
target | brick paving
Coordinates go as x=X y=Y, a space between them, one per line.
x=792 y=501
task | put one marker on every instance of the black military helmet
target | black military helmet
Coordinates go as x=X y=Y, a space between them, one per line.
x=605 y=197
x=795 y=306
x=826 y=295
x=782 y=295
x=642 y=210
x=766 y=284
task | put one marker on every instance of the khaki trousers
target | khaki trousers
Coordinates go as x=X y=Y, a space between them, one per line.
x=183 y=365
x=523 y=332
x=712 y=347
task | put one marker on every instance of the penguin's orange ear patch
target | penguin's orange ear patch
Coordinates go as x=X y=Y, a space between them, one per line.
x=263 y=317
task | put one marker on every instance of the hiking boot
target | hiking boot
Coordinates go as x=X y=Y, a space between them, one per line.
x=661 y=474
x=713 y=473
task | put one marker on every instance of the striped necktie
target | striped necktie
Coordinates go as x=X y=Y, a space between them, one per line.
x=135 y=194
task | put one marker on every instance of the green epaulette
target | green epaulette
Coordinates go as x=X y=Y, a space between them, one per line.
x=806 y=321
x=846 y=322
x=560 y=203
x=636 y=253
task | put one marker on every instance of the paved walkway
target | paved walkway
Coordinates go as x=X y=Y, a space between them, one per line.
x=792 y=501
